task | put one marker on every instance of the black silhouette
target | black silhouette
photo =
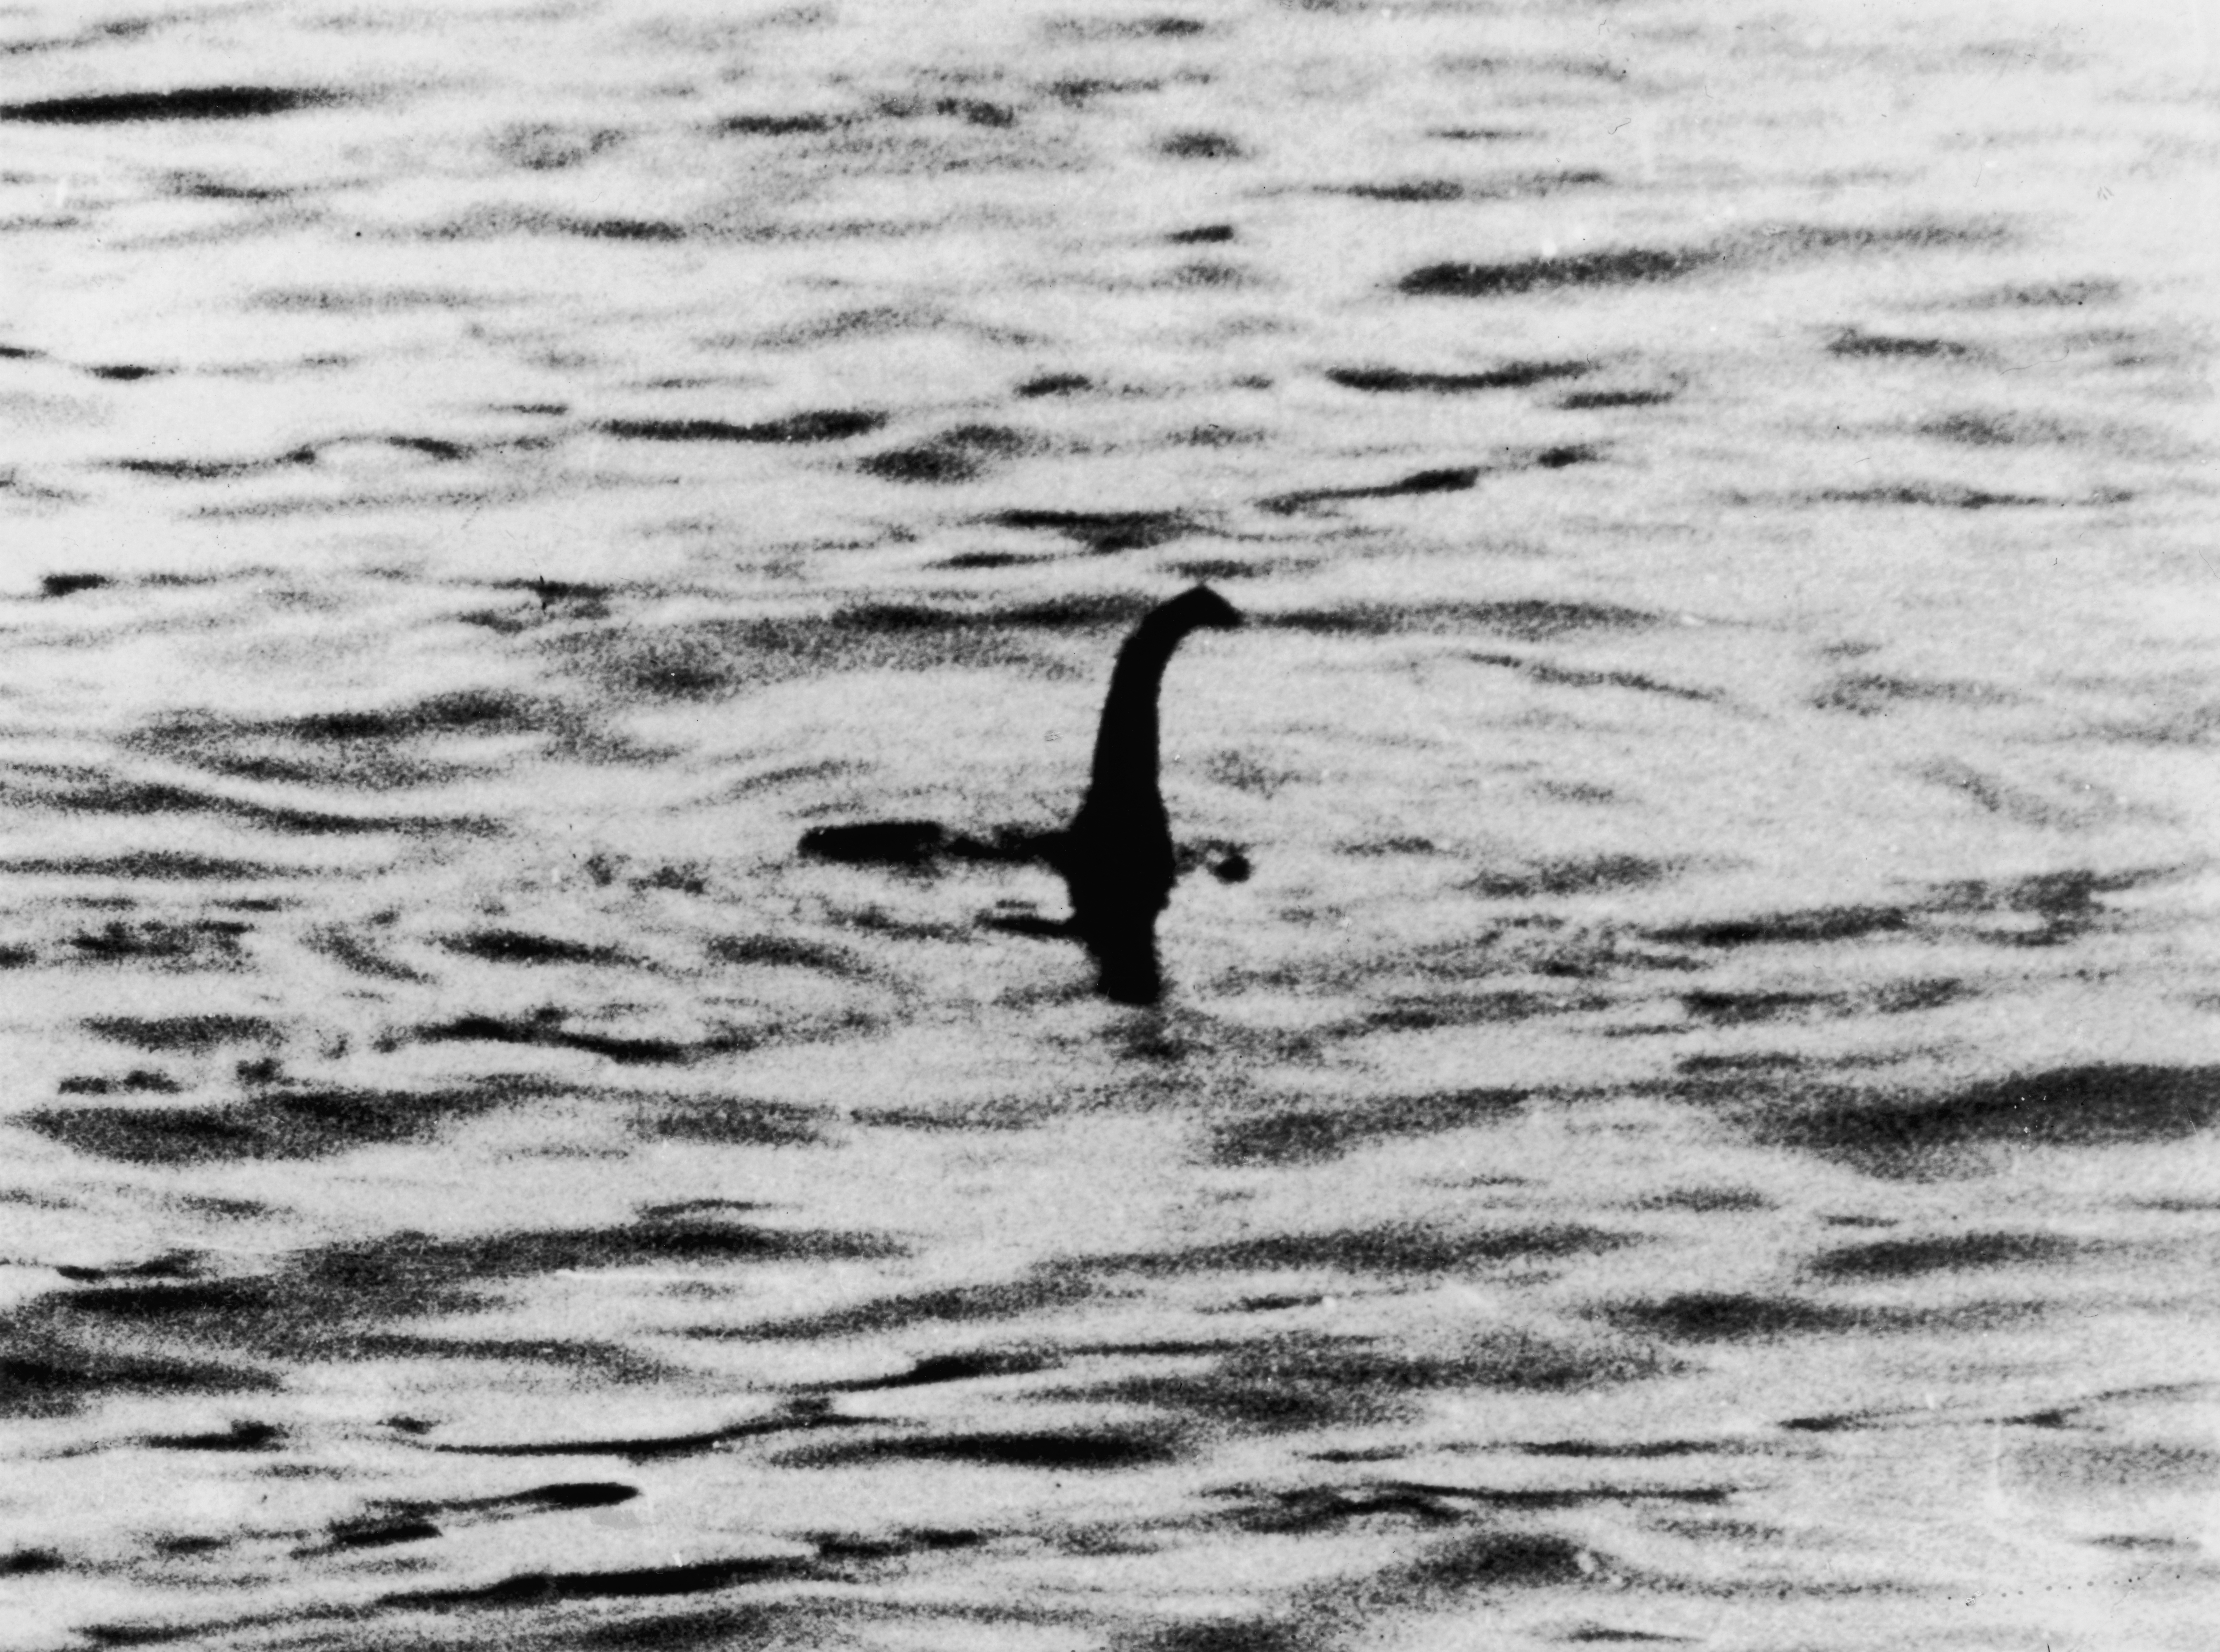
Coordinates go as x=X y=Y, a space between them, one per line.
x=1116 y=857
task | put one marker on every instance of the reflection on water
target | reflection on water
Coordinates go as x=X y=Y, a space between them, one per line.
x=1700 y=1125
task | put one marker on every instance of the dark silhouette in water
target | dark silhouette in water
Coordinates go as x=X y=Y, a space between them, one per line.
x=1116 y=856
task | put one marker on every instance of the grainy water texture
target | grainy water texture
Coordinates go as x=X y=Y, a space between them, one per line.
x=1699 y=1128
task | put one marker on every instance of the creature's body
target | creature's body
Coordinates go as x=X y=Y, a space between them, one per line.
x=1116 y=857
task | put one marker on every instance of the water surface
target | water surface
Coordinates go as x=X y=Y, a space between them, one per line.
x=1699 y=1128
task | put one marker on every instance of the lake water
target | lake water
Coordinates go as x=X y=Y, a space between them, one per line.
x=1700 y=1128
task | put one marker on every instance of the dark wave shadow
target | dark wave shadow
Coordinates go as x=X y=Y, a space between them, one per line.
x=150 y=865
x=1299 y=1383
x=708 y=658
x=43 y=1374
x=1940 y=1253
x=242 y=1435
x=1818 y=925
x=1308 y=1133
x=1428 y=191
x=298 y=1124
x=1424 y=1012
x=357 y=953
x=1104 y=531
x=1201 y=144
x=1449 y=1575
x=802 y=1415
x=636 y=1583
x=373 y=749
x=1875 y=694
x=1389 y=1249
x=729 y=1120
x=185 y=1034
x=1857 y=343
x=1993 y=428
x=1453 y=479
x=172 y=1264
x=433 y=448
x=1916 y=1135
x=1529 y=619
x=968 y=1366
x=184 y=104
x=1460 y=479
x=1951 y=495
x=91 y=791
x=2049 y=294
x=1572 y=875
x=1566 y=677
x=788 y=952
x=1045 y=1290
x=503 y=223
x=354 y=1300
x=521 y=947
x=1633 y=397
x=1741 y=1007
x=1511 y=376
x=197 y=943
x=1431 y=1504
x=387 y=1523
x=1075 y=1450
x=962 y=453
x=1631 y=266
x=1078 y=383
x=2064 y=906
x=1636 y=1450
x=549 y=1028
x=821 y=425
x=1733 y=1317
x=551 y=1602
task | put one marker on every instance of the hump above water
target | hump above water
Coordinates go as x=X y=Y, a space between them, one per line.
x=1116 y=857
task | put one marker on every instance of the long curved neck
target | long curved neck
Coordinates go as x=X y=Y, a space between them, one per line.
x=1126 y=745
